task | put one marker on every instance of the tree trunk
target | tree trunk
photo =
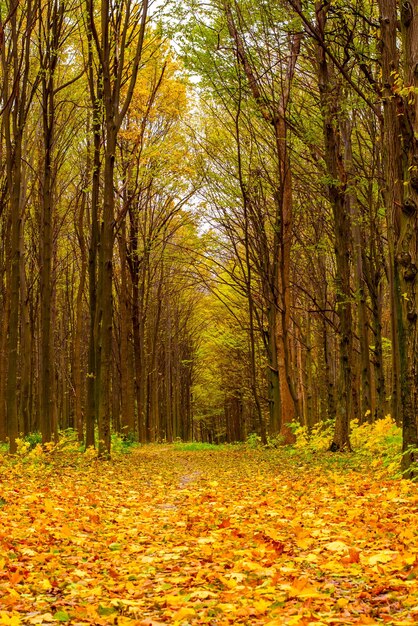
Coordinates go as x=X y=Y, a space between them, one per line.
x=407 y=243
x=79 y=325
x=26 y=342
x=105 y=297
x=126 y=373
x=401 y=201
x=337 y=192
x=288 y=397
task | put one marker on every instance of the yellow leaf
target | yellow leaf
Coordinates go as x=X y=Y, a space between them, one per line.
x=202 y=594
x=225 y=607
x=250 y=566
x=48 y=506
x=66 y=532
x=261 y=606
x=45 y=584
x=9 y=620
x=382 y=557
x=183 y=613
x=337 y=546
x=301 y=589
x=311 y=592
x=304 y=543
x=203 y=540
x=228 y=582
x=173 y=600
x=42 y=619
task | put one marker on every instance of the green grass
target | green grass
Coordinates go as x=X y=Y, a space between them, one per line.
x=195 y=446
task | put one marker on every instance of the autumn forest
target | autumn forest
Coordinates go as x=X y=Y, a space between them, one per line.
x=208 y=294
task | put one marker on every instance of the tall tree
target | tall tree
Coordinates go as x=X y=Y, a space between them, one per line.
x=116 y=29
x=400 y=108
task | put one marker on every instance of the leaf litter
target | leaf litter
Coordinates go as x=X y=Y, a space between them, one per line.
x=238 y=536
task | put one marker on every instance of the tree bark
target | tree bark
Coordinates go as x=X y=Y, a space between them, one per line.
x=401 y=201
x=338 y=196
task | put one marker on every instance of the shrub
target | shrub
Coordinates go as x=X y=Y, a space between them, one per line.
x=253 y=440
x=318 y=439
x=123 y=443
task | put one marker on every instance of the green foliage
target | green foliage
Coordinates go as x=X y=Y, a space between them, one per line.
x=123 y=444
x=30 y=448
x=33 y=439
x=253 y=441
x=274 y=442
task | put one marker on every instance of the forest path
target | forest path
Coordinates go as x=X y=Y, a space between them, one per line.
x=234 y=536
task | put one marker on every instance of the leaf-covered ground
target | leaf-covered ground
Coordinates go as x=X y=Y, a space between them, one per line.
x=236 y=536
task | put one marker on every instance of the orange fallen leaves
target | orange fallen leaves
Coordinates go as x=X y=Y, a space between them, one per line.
x=216 y=538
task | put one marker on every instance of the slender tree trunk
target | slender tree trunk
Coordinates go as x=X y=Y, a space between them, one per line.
x=275 y=113
x=105 y=297
x=15 y=59
x=26 y=341
x=127 y=400
x=138 y=328
x=3 y=365
x=46 y=370
x=338 y=196
x=379 y=375
x=366 y=405
x=94 y=169
x=288 y=396
x=14 y=291
x=275 y=408
x=79 y=325
x=309 y=376
x=392 y=192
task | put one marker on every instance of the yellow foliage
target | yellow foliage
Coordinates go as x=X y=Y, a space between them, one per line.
x=9 y=620
x=373 y=437
x=23 y=447
x=382 y=438
x=252 y=538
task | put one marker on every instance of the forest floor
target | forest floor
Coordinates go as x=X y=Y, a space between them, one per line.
x=235 y=536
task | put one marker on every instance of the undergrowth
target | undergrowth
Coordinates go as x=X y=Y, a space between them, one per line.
x=376 y=446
